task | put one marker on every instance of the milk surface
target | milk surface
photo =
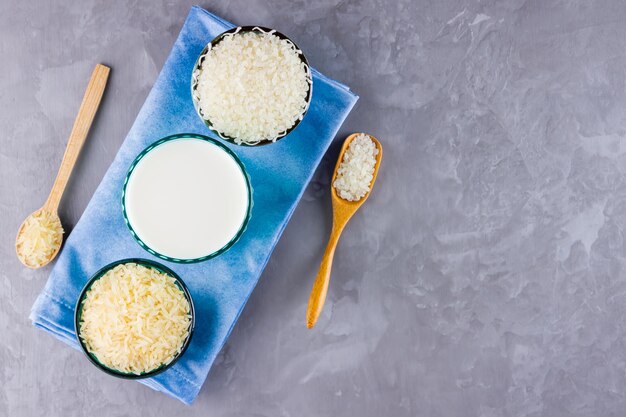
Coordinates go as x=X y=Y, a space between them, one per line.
x=186 y=198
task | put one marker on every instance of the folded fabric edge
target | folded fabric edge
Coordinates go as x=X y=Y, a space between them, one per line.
x=287 y=219
x=41 y=321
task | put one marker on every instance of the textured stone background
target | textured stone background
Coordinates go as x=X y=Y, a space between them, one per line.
x=485 y=276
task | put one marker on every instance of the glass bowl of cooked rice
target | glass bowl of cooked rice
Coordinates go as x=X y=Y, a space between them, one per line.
x=134 y=318
x=251 y=85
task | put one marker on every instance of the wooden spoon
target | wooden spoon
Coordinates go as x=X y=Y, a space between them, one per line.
x=343 y=210
x=83 y=121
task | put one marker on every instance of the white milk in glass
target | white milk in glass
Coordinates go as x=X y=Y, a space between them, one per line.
x=186 y=198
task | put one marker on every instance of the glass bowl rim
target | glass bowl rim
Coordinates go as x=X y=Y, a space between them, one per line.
x=230 y=243
x=218 y=39
x=79 y=309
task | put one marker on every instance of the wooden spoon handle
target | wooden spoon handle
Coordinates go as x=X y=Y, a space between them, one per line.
x=320 y=286
x=83 y=121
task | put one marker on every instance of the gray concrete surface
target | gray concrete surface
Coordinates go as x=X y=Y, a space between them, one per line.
x=485 y=276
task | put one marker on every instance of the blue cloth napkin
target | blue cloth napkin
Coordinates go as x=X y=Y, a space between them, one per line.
x=220 y=287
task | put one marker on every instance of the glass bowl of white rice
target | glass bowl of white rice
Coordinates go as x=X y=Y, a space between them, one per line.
x=251 y=85
x=134 y=318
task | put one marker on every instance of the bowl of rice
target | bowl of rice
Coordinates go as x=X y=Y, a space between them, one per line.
x=251 y=85
x=134 y=318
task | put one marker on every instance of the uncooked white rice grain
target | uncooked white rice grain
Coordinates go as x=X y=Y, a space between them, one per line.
x=252 y=86
x=135 y=319
x=356 y=170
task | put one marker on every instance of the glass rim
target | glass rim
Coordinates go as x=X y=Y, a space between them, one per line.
x=79 y=310
x=242 y=227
